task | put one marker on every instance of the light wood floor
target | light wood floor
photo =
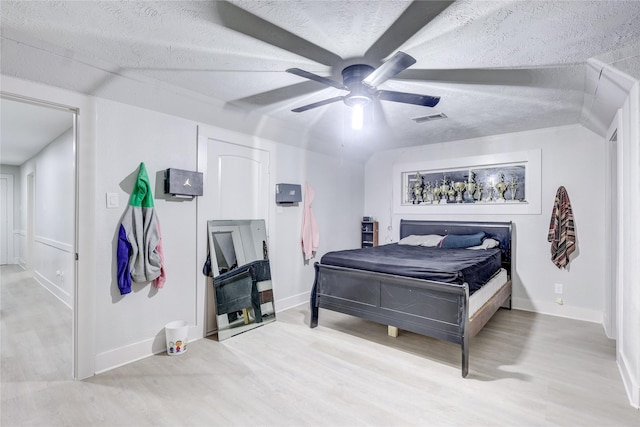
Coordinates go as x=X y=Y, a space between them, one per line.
x=526 y=370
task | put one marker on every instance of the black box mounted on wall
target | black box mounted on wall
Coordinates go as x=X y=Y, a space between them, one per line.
x=182 y=183
x=287 y=194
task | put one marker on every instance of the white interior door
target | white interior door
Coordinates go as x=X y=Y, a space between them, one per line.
x=6 y=218
x=239 y=179
x=236 y=187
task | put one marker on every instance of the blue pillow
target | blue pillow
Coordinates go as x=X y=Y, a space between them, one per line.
x=462 y=240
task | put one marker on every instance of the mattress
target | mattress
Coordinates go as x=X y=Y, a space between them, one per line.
x=457 y=266
x=484 y=294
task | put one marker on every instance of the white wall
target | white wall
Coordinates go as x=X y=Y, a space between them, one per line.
x=131 y=326
x=54 y=189
x=54 y=219
x=54 y=224
x=571 y=156
x=338 y=186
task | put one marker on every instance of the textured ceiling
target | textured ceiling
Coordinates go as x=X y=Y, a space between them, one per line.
x=498 y=66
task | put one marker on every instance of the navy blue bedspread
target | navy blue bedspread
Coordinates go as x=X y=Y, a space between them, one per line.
x=458 y=266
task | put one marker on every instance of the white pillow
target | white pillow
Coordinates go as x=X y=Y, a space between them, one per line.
x=487 y=244
x=417 y=240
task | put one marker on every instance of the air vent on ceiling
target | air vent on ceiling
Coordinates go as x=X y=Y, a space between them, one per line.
x=429 y=118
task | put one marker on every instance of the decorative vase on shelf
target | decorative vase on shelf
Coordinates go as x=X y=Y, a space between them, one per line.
x=444 y=189
x=417 y=189
x=426 y=192
x=501 y=188
x=490 y=191
x=478 y=195
x=452 y=195
x=459 y=188
x=436 y=194
x=471 y=185
x=513 y=187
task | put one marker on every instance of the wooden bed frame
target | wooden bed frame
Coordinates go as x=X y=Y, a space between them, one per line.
x=435 y=309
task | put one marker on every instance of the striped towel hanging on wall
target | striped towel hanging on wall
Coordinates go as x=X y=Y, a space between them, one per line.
x=562 y=234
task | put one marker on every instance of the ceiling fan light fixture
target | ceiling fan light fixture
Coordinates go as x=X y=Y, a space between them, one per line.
x=357 y=116
x=357 y=102
x=354 y=99
x=361 y=80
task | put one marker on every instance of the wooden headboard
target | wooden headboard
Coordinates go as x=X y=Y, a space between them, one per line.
x=500 y=231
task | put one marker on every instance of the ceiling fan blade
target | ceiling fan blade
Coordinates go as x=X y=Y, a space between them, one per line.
x=317 y=78
x=278 y=95
x=409 y=98
x=238 y=19
x=413 y=19
x=317 y=104
x=398 y=62
x=560 y=76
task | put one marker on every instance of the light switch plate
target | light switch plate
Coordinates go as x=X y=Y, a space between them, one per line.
x=113 y=201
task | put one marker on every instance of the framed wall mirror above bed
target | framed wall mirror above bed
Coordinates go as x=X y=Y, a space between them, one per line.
x=242 y=287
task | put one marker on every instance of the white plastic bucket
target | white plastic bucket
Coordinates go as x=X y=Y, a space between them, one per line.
x=176 y=334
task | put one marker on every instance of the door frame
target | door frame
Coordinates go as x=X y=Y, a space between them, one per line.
x=30 y=186
x=613 y=226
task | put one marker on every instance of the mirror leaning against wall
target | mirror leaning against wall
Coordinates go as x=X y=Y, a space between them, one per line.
x=243 y=291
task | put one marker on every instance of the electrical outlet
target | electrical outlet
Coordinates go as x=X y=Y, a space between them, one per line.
x=558 y=287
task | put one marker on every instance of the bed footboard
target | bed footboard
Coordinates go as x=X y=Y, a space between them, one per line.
x=429 y=308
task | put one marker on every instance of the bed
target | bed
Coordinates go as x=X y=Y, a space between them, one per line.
x=444 y=299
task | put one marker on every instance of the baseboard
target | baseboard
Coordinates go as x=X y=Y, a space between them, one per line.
x=631 y=386
x=121 y=356
x=553 y=309
x=54 y=289
x=293 y=301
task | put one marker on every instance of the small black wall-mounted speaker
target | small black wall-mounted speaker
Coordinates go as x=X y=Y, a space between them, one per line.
x=178 y=182
x=287 y=194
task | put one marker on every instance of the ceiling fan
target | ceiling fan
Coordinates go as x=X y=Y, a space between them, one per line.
x=361 y=81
